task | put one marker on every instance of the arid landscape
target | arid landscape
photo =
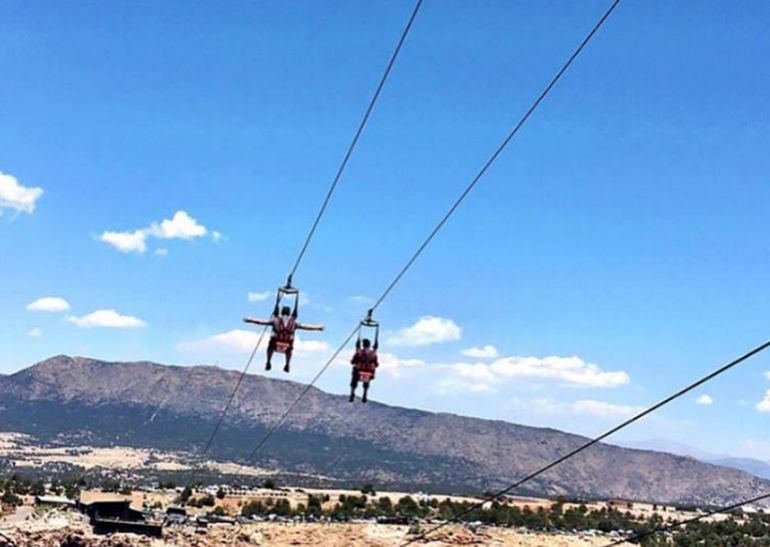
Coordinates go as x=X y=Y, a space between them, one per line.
x=288 y=535
x=46 y=522
x=88 y=434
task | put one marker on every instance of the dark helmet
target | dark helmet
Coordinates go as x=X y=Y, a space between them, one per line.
x=286 y=310
x=366 y=343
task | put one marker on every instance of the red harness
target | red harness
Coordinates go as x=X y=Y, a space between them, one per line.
x=283 y=333
x=366 y=364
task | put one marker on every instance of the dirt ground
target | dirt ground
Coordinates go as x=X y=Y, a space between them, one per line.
x=295 y=535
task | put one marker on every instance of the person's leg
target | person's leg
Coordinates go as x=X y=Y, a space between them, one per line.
x=366 y=392
x=353 y=386
x=288 y=360
x=270 y=351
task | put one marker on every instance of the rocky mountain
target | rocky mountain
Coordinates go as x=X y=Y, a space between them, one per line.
x=74 y=400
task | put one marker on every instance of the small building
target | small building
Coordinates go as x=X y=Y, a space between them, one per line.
x=110 y=516
x=54 y=501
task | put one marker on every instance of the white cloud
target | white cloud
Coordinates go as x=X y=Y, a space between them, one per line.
x=17 y=197
x=704 y=400
x=238 y=341
x=311 y=347
x=452 y=386
x=583 y=407
x=258 y=296
x=161 y=252
x=486 y=352
x=126 y=242
x=361 y=299
x=764 y=404
x=395 y=366
x=106 y=319
x=478 y=372
x=180 y=226
x=767 y=375
x=35 y=333
x=216 y=236
x=426 y=331
x=568 y=371
x=601 y=409
x=49 y=303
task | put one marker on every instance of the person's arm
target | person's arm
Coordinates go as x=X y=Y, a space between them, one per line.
x=354 y=360
x=265 y=322
x=303 y=326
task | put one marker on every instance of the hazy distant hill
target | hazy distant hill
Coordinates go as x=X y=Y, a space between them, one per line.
x=145 y=404
x=756 y=467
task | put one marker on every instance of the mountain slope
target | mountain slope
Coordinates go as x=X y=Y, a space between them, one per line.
x=755 y=467
x=145 y=404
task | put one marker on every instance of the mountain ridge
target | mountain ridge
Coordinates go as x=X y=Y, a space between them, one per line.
x=66 y=398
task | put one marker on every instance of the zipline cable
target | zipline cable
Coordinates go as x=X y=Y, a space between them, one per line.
x=349 y=152
x=230 y=400
x=356 y=136
x=485 y=167
x=673 y=525
x=596 y=440
x=307 y=388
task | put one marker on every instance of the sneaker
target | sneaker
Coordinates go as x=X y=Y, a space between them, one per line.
x=268 y=366
x=286 y=368
x=352 y=398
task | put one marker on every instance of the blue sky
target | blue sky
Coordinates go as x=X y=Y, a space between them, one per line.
x=615 y=252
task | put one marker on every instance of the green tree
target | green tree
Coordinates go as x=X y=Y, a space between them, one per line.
x=184 y=497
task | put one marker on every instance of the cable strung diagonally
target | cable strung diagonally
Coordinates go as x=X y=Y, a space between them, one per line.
x=351 y=147
x=230 y=400
x=302 y=394
x=673 y=525
x=721 y=370
x=356 y=136
x=464 y=194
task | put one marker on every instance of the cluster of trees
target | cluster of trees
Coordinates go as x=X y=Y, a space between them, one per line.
x=202 y=501
x=16 y=486
x=749 y=531
x=498 y=514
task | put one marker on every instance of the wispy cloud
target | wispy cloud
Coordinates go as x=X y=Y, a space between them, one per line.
x=486 y=352
x=566 y=371
x=583 y=407
x=49 y=304
x=569 y=371
x=35 y=333
x=454 y=386
x=126 y=242
x=704 y=400
x=764 y=404
x=426 y=331
x=240 y=341
x=14 y=196
x=602 y=409
x=180 y=226
x=396 y=366
x=106 y=319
